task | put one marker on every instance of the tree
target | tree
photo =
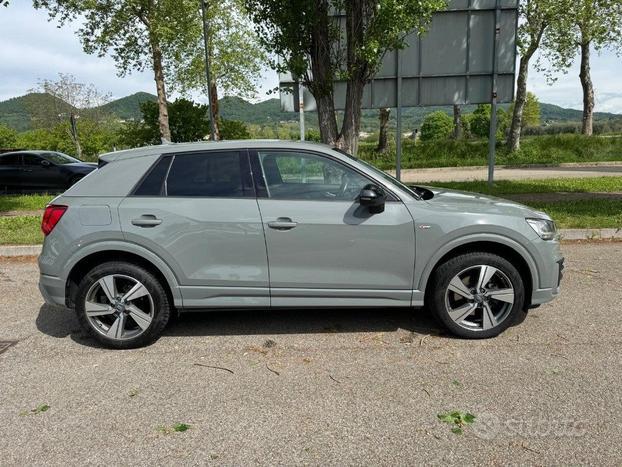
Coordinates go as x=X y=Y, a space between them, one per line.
x=135 y=33
x=188 y=122
x=436 y=126
x=71 y=101
x=479 y=122
x=531 y=111
x=586 y=25
x=236 y=57
x=383 y=116
x=536 y=17
x=233 y=129
x=305 y=36
x=8 y=137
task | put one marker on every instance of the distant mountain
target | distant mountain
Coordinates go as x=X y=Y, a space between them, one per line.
x=128 y=108
x=18 y=113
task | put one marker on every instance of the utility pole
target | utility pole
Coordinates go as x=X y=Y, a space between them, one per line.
x=212 y=127
x=301 y=110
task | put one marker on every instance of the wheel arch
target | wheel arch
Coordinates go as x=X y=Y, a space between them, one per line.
x=505 y=248
x=85 y=263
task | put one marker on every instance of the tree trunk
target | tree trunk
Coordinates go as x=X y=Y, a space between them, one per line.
x=383 y=116
x=165 y=131
x=321 y=86
x=73 y=130
x=213 y=108
x=588 y=90
x=457 y=121
x=513 y=141
x=350 y=129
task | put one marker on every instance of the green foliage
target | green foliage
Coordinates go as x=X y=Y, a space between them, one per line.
x=188 y=122
x=313 y=135
x=23 y=202
x=457 y=419
x=479 y=123
x=233 y=129
x=8 y=137
x=128 y=107
x=531 y=111
x=436 y=126
x=20 y=230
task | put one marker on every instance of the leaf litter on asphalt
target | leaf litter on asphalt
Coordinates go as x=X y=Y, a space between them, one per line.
x=457 y=419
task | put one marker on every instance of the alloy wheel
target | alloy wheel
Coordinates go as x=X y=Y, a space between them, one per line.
x=479 y=298
x=118 y=306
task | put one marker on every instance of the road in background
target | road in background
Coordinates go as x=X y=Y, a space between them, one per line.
x=464 y=174
x=318 y=387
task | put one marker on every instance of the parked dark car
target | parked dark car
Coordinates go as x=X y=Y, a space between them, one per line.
x=40 y=171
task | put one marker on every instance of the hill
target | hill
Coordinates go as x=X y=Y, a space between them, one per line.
x=19 y=112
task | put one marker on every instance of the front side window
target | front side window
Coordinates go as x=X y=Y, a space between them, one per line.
x=30 y=159
x=213 y=174
x=59 y=158
x=304 y=176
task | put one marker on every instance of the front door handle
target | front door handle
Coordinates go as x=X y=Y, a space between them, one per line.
x=282 y=223
x=146 y=220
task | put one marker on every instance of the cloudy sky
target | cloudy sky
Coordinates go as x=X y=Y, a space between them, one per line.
x=31 y=48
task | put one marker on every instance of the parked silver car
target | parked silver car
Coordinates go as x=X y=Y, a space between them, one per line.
x=284 y=224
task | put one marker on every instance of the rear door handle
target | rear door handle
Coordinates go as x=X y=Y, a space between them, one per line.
x=282 y=223
x=146 y=220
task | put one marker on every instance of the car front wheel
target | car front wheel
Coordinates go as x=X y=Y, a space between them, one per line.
x=122 y=305
x=477 y=295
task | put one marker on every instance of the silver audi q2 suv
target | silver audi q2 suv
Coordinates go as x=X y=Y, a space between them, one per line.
x=266 y=224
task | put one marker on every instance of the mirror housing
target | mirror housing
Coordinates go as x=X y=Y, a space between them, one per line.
x=45 y=163
x=373 y=197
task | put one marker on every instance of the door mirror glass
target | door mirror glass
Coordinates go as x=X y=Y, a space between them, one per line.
x=373 y=197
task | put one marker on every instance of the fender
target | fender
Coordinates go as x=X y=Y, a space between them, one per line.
x=127 y=247
x=474 y=238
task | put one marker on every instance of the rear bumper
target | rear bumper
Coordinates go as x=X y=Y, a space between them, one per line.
x=52 y=289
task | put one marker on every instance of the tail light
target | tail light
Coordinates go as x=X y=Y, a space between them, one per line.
x=51 y=216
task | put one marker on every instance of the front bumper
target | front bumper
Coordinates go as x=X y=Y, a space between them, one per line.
x=541 y=296
x=53 y=290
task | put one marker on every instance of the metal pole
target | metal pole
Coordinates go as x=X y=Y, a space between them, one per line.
x=301 y=110
x=398 y=119
x=492 y=137
x=212 y=128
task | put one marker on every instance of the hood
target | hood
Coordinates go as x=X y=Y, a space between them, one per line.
x=464 y=201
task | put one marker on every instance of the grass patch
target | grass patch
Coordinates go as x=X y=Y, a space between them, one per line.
x=512 y=187
x=595 y=214
x=554 y=149
x=24 y=202
x=20 y=230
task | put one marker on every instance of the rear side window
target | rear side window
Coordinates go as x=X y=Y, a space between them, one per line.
x=153 y=183
x=212 y=174
x=9 y=159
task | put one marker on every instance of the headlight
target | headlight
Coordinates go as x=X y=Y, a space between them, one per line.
x=543 y=227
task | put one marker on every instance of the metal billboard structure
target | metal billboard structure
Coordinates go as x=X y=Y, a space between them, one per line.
x=468 y=56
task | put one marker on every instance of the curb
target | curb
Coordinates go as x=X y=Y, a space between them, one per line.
x=565 y=234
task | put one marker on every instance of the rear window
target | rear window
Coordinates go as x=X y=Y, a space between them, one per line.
x=9 y=159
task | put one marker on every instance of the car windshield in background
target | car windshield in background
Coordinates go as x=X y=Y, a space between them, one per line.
x=59 y=158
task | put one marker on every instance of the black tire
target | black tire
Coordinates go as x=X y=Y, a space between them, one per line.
x=159 y=297
x=442 y=277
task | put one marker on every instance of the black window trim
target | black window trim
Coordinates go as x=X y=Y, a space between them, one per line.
x=261 y=189
x=245 y=166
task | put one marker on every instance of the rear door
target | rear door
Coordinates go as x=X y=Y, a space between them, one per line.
x=199 y=213
x=10 y=171
x=40 y=173
x=324 y=248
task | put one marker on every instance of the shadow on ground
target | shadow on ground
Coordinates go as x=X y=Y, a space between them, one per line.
x=61 y=322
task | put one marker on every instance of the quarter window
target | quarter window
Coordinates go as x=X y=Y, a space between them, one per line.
x=292 y=175
x=10 y=159
x=153 y=183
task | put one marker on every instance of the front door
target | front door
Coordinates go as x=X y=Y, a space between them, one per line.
x=199 y=213
x=324 y=248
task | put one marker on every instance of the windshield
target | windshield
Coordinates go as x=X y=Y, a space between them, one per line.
x=59 y=158
x=381 y=174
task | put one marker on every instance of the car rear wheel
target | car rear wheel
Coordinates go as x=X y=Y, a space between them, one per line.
x=477 y=295
x=122 y=305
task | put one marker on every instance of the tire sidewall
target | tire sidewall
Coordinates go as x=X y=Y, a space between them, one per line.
x=161 y=304
x=447 y=271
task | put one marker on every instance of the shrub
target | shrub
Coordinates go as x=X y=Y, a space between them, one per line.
x=436 y=126
x=233 y=129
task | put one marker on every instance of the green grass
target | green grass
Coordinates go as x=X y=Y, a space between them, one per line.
x=20 y=231
x=584 y=213
x=24 y=202
x=555 y=149
x=511 y=187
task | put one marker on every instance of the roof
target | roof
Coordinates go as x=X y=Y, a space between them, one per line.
x=211 y=145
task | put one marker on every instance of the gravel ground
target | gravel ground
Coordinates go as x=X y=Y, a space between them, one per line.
x=318 y=387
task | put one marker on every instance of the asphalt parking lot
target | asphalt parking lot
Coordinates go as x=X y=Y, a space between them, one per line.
x=318 y=387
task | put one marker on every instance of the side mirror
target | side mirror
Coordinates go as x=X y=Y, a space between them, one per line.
x=373 y=197
x=45 y=163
